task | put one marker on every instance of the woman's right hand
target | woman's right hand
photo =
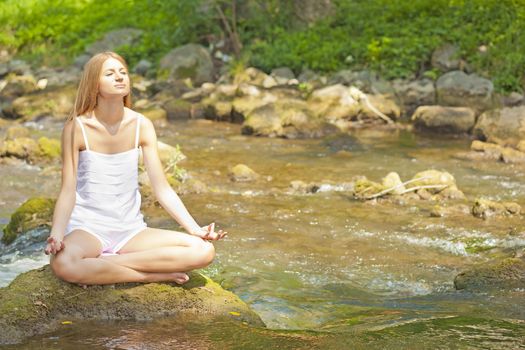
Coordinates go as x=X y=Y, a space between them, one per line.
x=54 y=245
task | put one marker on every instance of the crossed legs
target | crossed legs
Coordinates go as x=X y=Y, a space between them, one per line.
x=152 y=255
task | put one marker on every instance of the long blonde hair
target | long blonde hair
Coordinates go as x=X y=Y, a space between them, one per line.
x=86 y=99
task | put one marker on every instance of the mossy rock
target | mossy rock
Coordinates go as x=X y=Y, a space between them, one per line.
x=365 y=188
x=34 y=212
x=49 y=148
x=506 y=274
x=37 y=302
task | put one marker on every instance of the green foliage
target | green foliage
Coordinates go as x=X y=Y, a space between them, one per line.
x=392 y=37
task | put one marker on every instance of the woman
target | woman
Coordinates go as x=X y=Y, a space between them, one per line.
x=98 y=234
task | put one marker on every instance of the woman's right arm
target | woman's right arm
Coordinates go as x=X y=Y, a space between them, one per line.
x=67 y=197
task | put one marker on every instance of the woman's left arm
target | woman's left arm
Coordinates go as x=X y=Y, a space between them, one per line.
x=162 y=189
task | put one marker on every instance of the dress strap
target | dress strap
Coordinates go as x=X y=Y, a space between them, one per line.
x=83 y=132
x=138 y=129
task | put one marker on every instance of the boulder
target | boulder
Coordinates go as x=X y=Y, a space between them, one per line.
x=18 y=85
x=457 y=88
x=242 y=173
x=56 y=103
x=37 y=302
x=16 y=131
x=506 y=274
x=188 y=61
x=415 y=93
x=433 y=178
x=392 y=180
x=444 y=119
x=43 y=150
x=505 y=126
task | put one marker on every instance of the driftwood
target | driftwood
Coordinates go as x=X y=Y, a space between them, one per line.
x=359 y=96
x=379 y=194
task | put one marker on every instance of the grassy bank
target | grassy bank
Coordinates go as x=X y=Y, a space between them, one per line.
x=393 y=37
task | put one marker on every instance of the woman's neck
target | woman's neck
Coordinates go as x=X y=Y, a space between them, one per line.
x=109 y=112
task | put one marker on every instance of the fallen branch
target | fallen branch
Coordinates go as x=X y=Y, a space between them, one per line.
x=379 y=194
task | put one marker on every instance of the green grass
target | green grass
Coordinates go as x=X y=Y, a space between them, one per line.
x=393 y=37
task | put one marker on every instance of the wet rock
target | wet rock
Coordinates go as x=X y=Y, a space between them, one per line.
x=505 y=126
x=491 y=150
x=507 y=274
x=521 y=146
x=364 y=188
x=37 y=301
x=188 y=61
x=510 y=155
x=242 y=173
x=439 y=179
x=33 y=213
x=457 y=88
x=424 y=194
x=484 y=208
x=444 y=119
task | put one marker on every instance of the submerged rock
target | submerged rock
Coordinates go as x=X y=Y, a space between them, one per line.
x=506 y=274
x=37 y=302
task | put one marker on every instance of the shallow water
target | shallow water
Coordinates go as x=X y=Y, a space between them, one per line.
x=336 y=271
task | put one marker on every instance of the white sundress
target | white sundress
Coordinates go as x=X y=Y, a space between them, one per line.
x=107 y=195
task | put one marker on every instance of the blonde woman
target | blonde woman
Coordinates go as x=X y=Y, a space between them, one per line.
x=98 y=234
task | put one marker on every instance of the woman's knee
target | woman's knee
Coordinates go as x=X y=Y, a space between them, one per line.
x=205 y=253
x=63 y=265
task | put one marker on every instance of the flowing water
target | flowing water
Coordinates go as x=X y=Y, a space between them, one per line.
x=322 y=270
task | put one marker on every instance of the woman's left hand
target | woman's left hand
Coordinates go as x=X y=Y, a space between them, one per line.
x=208 y=233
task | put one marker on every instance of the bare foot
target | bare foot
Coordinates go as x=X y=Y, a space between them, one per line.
x=177 y=277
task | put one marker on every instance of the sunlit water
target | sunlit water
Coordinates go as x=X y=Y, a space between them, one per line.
x=342 y=272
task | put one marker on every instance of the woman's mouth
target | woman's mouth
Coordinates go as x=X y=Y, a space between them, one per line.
x=120 y=85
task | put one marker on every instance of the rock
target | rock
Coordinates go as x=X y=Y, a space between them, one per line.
x=415 y=93
x=301 y=187
x=507 y=274
x=446 y=58
x=155 y=114
x=36 y=302
x=16 y=67
x=56 y=103
x=424 y=194
x=510 y=155
x=383 y=104
x=142 y=67
x=393 y=180
x=521 y=146
x=491 y=150
x=250 y=75
x=287 y=117
x=512 y=100
x=433 y=178
x=242 y=173
x=484 y=208
x=188 y=61
x=365 y=188
x=444 y=119
x=459 y=89
x=22 y=147
x=505 y=126
x=335 y=104
x=18 y=85
x=282 y=74
x=49 y=148
x=178 y=109
x=33 y=213
x=16 y=131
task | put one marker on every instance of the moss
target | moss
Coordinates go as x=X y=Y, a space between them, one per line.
x=32 y=213
x=364 y=188
x=36 y=301
x=505 y=274
x=49 y=148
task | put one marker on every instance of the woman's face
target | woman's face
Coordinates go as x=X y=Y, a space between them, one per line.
x=113 y=80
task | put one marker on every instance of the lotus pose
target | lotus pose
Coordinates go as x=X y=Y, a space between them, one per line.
x=98 y=234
